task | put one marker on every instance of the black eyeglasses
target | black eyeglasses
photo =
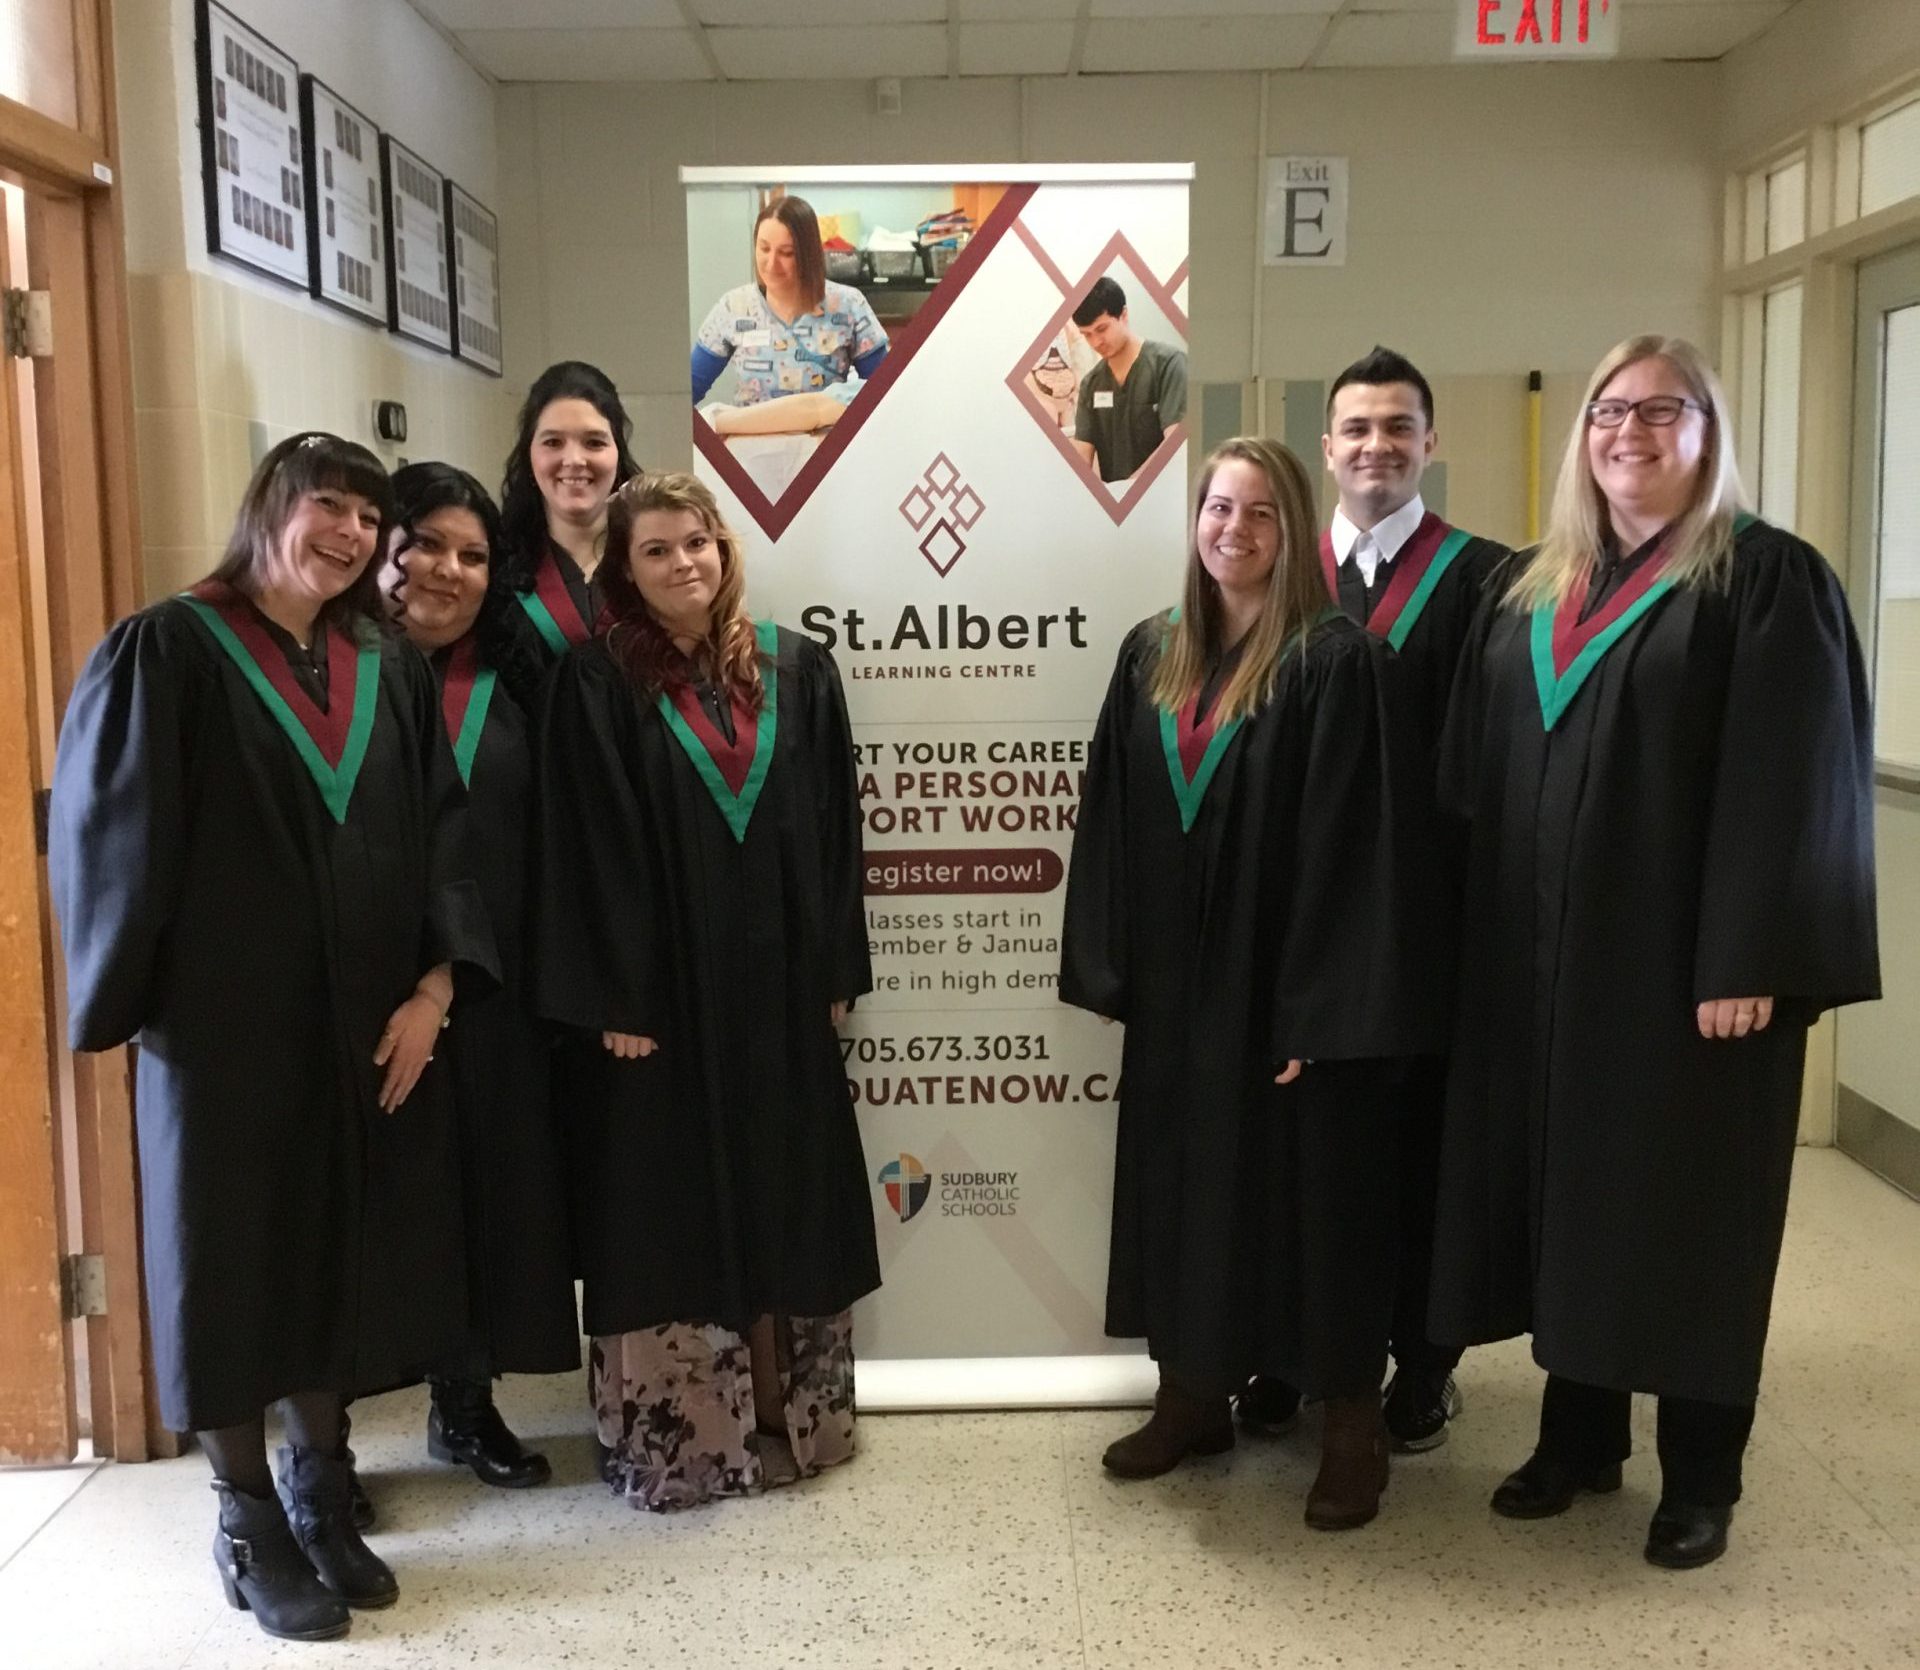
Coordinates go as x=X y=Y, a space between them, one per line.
x=1656 y=411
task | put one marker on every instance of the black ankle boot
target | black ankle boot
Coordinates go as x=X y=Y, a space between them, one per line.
x=465 y=1427
x=363 y=1514
x=1682 y=1536
x=264 y=1572
x=321 y=1514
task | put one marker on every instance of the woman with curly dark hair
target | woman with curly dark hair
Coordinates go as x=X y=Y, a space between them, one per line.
x=699 y=915
x=445 y=590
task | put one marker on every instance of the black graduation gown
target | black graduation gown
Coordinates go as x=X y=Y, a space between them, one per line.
x=1697 y=825
x=296 y=1238
x=519 y=1258
x=560 y=609
x=1254 y=1224
x=721 y=1178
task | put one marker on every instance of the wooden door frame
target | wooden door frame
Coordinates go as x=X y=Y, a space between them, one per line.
x=84 y=400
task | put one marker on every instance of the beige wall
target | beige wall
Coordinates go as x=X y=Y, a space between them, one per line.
x=1502 y=220
x=225 y=363
x=1819 y=58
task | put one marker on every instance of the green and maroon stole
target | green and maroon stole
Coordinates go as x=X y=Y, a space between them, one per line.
x=465 y=695
x=1417 y=570
x=1566 y=649
x=551 y=608
x=1194 y=747
x=331 y=745
x=734 y=772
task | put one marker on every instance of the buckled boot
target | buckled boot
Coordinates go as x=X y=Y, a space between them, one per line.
x=1353 y=1465
x=321 y=1514
x=1182 y=1424
x=466 y=1427
x=264 y=1572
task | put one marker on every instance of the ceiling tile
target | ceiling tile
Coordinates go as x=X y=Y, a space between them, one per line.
x=855 y=53
x=1174 y=14
x=588 y=54
x=1130 y=45
x=1015 y=48
x=1388 y=39
x=1693 y=31
x=809 y=14
x=996 y=11
x=463 y=15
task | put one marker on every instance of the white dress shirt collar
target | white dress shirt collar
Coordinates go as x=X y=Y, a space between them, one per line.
x=1379 y=544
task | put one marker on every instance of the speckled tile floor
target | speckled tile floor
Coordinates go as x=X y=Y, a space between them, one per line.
x=979 y=1542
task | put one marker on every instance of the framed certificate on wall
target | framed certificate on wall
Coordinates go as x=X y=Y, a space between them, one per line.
x=250 y=153
x=473 y=254
x=419 y=292
x=346 y=231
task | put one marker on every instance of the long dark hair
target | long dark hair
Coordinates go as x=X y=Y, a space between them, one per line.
x=730 y=657
x=522 y=509
x=421 y=490
x=809 y=254
x=310 y=462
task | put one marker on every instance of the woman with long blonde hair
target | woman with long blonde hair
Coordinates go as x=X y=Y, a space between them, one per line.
x=1245 y=898
x=699 y=916
x=1660 y=737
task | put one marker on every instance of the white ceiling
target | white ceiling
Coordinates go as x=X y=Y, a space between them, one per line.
x=812 y=40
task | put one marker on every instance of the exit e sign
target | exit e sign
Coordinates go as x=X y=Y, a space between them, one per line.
x=1512 y=29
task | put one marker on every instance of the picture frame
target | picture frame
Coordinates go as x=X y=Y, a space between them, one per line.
x=252 y=170
x=346 y=212
x=473 y=265
x=419 y=278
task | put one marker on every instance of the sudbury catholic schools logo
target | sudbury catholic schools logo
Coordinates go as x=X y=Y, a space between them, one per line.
x=907 y=1183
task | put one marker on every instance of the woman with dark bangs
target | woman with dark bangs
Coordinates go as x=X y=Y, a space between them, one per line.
x=699 y=914
x=570 y=453
x=446 y=592
x=1246 y=897
x=258 y=860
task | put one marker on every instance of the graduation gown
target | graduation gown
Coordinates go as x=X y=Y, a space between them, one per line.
x=722 y=1177
x=561 y=608
x=519 y=1258
x=1695 y=824
x=1424 y=606
x=1256 y=901
x=255 y=939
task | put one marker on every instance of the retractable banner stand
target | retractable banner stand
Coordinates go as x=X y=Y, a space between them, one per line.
x=946 y=481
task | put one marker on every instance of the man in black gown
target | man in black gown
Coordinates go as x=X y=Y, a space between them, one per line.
x=1402 y=572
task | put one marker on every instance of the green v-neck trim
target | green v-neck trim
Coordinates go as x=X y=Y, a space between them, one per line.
x=544 y=623
x=1450 y=547
x=1188 y=795
x=335 y=783
x=736 y=809
x=1557 y=690
x=467 y=743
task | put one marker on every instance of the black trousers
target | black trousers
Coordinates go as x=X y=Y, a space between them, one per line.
x=1700 y=1444
x=1423 y=1094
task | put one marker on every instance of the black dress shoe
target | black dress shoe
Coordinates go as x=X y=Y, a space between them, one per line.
x=1268 y=1405
x=263 y=1571
x=1418 y=1408
x=1682 y=1536
x=321 y=1513
x=465 y=1427
x=1545 y=1487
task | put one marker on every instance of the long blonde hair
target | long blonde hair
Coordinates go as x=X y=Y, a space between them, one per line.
x=731 y=655
x=1702 y=544
x=1296 y=590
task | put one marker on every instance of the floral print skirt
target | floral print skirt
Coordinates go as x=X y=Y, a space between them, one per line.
x=674 y=1409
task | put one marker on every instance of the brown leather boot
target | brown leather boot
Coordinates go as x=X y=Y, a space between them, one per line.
x=1353 y=1465
x=1182 y=1424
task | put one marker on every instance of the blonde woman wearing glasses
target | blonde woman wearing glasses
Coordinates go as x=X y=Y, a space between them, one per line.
x=1661 y=737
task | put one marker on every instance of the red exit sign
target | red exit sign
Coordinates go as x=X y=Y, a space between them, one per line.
x=1496 y=29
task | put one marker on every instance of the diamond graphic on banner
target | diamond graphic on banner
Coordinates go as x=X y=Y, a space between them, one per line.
x=944 y=499
x=1043 y=380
